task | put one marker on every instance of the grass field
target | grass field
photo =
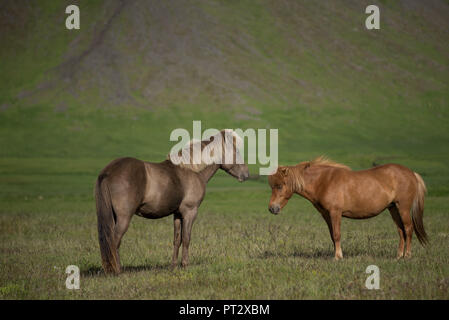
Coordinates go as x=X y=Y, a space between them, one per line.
x=71 y=101
x=238 y=250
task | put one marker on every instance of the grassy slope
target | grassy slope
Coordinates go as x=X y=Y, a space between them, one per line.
x=309 y=69
x=346 y=88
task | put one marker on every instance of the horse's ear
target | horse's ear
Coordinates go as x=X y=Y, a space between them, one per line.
x=307 y=165
x=283 y=170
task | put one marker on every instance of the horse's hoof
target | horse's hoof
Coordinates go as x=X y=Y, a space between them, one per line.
x=338 y=258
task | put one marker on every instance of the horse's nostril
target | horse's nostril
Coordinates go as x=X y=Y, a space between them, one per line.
x=274 y=209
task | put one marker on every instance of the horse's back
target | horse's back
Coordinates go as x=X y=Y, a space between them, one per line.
x=392 y=167
x=392 y=173
x=129 y=171
x=117 y=166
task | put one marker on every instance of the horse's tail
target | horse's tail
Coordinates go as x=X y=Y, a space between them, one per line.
x=418 y=210
x=106 y=226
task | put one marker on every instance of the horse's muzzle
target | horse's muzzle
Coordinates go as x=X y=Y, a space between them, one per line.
x=274 y=209
x=243 y=177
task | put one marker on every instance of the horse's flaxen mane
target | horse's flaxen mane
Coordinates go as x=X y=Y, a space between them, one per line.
x=323 y=161
x=211 y=151
x=293 y=175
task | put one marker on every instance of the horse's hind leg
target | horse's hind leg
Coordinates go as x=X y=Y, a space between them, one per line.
x=123 y=217
x=404 y=212
x=397 y=219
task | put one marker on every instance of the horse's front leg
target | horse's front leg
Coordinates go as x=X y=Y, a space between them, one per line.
x=177 y=223
x=336 y=221
x=188 y=217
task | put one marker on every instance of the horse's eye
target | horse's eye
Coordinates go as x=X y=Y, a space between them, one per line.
x=279 y=187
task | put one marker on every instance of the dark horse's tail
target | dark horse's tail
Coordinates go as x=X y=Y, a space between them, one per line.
x=418 y=210
x=106 y=226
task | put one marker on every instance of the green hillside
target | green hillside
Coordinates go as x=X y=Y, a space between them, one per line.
x=136 y=70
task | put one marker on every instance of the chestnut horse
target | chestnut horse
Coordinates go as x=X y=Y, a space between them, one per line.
x=128 y=186
x=335 y=191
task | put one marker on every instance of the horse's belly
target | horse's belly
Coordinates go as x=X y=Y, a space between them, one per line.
x=364 y=213
x=156 y=210
x=366 y=205
x=360 y=215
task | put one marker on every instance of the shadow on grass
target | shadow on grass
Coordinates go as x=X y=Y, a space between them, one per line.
x=97 y=271
x=325 y=254
x=321 y=253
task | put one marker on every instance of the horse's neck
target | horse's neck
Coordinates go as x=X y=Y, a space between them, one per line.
x=311 y=178
x=207 y=173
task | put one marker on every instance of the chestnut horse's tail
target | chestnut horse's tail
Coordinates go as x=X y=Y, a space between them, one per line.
x=106 y=226
x=418 y=210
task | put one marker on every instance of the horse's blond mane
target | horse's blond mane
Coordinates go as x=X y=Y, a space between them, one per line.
x=323 y=161
x=295 y=174
x=216 y=155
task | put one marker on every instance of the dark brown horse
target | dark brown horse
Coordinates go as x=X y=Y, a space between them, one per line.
x=335 y=191
x=128 y=186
